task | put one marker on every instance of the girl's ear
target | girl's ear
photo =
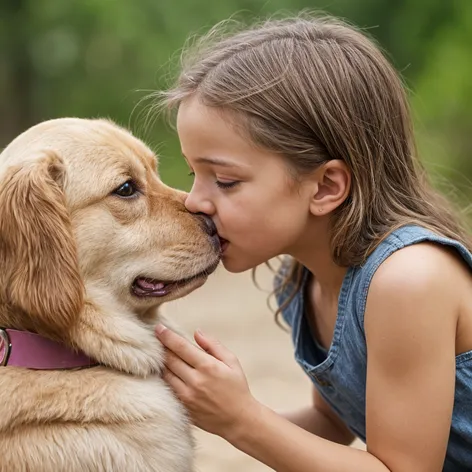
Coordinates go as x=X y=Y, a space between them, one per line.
x=333 y=181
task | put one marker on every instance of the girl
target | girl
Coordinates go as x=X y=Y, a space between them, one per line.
x=299 y=136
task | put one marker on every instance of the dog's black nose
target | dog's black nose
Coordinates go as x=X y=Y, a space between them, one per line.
x=207 y=224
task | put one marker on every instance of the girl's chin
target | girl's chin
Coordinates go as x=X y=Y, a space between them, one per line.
x=234 y=264
x=231 y=266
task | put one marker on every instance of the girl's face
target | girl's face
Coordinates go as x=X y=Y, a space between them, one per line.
x=256 y=205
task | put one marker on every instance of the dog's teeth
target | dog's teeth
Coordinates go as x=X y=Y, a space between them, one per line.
x=149 y=284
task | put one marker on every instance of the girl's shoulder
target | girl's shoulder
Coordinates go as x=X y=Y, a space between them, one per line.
x=410 y=248
x=424 y=267
x=408 y=257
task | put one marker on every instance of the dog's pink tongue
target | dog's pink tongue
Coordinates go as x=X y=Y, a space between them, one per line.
x=149 y=284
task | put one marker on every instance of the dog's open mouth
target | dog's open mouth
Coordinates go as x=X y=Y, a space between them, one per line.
x=146 y=287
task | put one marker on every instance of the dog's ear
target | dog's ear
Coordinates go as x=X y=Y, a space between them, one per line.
x=38 y=257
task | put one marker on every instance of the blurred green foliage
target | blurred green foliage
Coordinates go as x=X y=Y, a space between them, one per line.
x=100 y=57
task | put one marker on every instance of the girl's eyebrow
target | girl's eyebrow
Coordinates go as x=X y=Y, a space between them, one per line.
x=215 y=161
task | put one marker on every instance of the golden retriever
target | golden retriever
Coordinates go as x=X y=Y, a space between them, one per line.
x=91 y=243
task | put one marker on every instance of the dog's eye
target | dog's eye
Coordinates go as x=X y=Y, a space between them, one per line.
x=128 y=189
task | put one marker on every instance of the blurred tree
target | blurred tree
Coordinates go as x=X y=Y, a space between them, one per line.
x=443 y=100
x=99 y=57
x=17 y=74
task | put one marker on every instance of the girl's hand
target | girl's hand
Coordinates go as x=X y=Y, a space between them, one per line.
x=209 y=381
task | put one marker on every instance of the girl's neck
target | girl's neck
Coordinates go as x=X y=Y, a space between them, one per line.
x=315 y=254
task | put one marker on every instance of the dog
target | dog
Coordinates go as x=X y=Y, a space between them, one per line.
x=92 y=242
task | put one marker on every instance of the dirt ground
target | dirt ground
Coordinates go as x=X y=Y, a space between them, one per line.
x=232 y=309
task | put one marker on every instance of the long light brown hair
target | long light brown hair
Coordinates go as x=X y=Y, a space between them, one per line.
x=313 y=89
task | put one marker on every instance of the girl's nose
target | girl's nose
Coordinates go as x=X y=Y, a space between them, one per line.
x=197 y=204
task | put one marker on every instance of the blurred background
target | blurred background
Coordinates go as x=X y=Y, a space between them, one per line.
x=93 y=58
x=100 y=58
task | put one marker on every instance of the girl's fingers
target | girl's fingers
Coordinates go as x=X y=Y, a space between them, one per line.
x=174 y=382
x=178 y=367
x=216 y=349
x=184 y=349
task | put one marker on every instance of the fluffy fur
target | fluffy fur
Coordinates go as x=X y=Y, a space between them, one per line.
x=70 y=250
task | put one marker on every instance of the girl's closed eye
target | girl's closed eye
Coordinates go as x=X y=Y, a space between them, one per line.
x=219 y=183
x=226 y=185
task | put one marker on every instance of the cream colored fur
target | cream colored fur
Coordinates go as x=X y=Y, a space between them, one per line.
x=69 y=252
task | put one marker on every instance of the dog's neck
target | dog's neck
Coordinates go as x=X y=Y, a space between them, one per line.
x=105 y=332
x=117 y=338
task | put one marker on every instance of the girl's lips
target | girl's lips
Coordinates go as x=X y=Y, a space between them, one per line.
x=223 y=244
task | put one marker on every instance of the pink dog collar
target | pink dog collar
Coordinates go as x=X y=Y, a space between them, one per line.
x=33 y=351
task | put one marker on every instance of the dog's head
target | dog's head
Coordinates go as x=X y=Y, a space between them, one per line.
x=82 y=207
